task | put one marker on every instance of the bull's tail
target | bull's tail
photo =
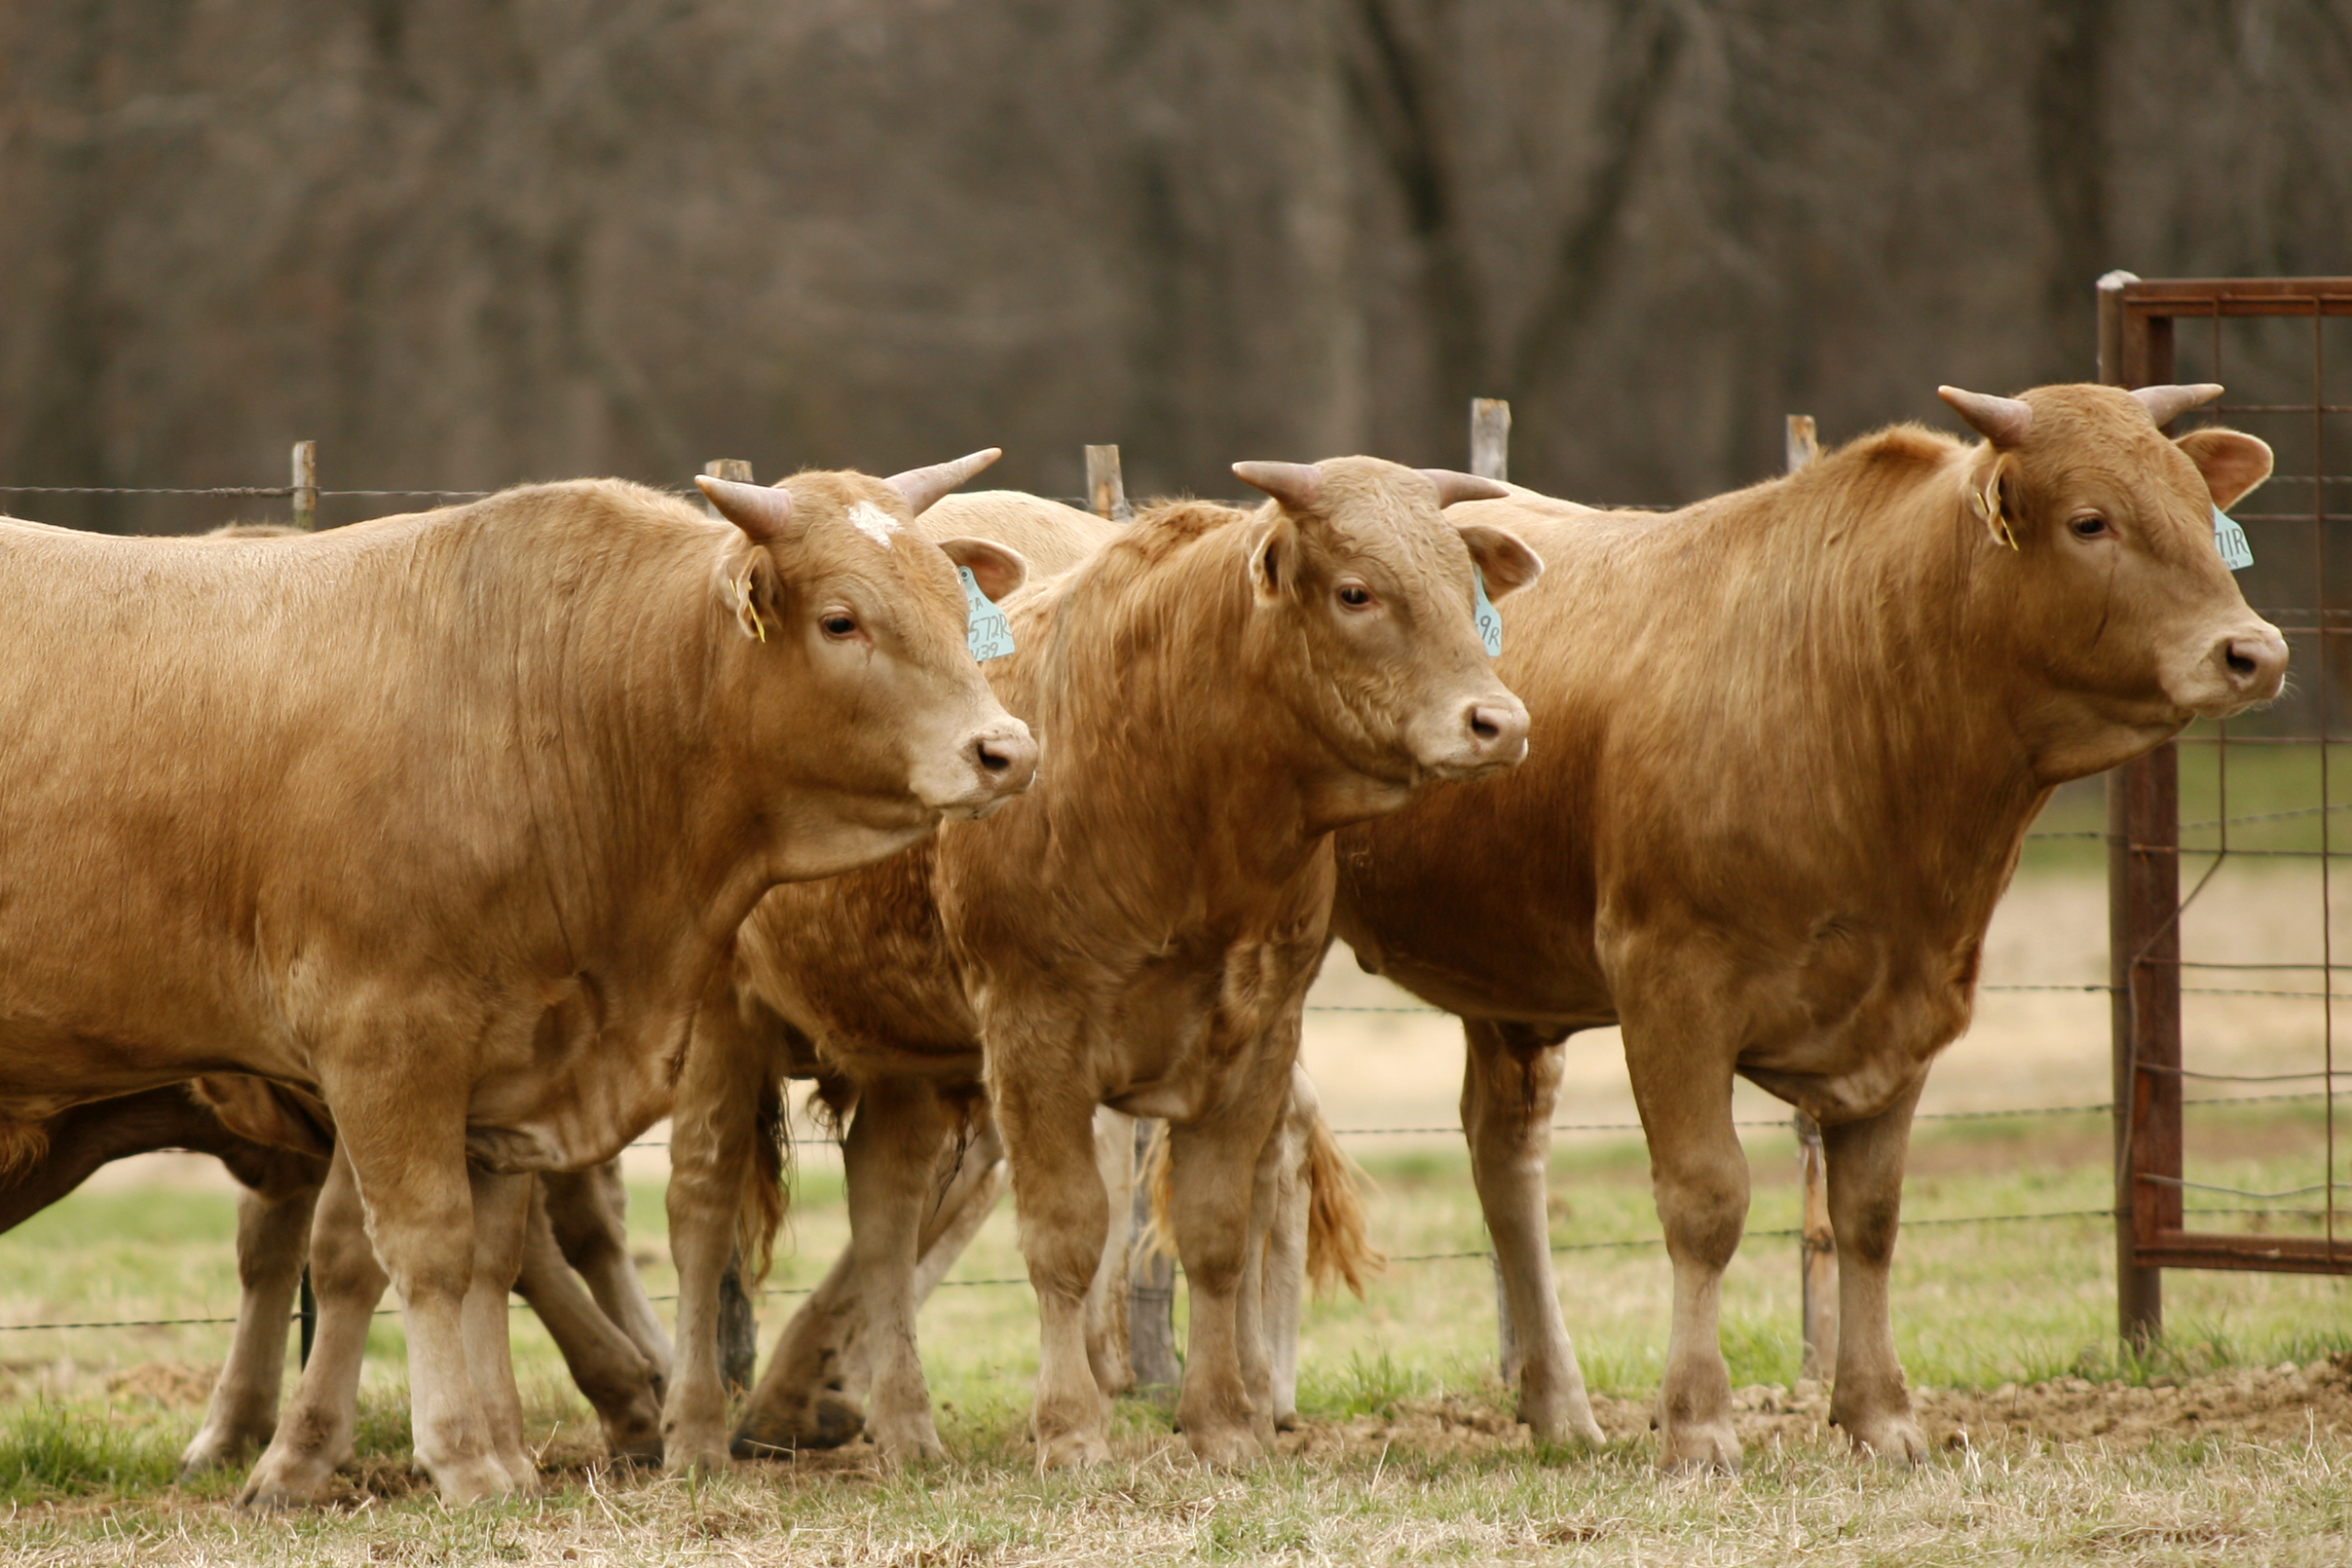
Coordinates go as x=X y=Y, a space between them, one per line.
x=22 y=1145
x=1338 y=1249
x=760 y=1216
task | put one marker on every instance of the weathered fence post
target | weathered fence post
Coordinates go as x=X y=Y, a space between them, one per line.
x=1490 y=438
x=1817 y=1246
x=1105 y=490
x=738 y=1326
x=306 y=485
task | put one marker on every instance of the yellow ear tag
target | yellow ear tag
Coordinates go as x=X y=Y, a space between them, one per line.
x=744 y=606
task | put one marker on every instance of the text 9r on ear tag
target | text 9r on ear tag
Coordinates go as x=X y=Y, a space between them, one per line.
x=2230 y=540
x=1489 y=622
x=986 y=630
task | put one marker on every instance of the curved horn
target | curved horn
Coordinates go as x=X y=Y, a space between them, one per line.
x=1454 y=485
x=2164 y=404
x=1296 y=485
x=923 y=486
x=762 y=512
x=2002 y=421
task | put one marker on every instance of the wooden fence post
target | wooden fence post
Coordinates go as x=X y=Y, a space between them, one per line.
x=1817 y=1247
x=1105 y=490
x=1151 y=1285
x=1490 y=438
x=306 y=485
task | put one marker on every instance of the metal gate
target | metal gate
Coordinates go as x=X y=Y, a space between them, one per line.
x=2283 y=348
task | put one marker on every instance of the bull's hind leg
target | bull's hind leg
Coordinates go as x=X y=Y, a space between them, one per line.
x=273 y=1231
x=1509 y=1087
x=588 y=1213
x=502 y=1211
x=610 y=1370
x=1699 y=1175
x=1865 y=1161
x=1284 y=1299
x=314 y=1437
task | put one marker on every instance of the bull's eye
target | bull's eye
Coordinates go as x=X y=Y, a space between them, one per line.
x=839 y=627
x=1355 y=595
x=2088 y=526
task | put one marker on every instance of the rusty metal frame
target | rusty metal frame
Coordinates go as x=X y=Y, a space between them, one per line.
x=2135 y=336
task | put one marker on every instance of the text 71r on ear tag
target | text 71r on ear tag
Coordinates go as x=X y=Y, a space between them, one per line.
x=2230 y=540
x=985 y=629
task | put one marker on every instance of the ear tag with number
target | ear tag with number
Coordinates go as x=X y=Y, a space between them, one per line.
x=2230 y=540
x=1489 y=622
x=986 y=630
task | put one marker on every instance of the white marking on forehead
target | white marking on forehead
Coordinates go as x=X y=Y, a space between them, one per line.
x=874 y=523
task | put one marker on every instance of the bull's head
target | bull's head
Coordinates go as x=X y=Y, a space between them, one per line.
x=1374 y=589
x=2117 y=591
x=861 y=627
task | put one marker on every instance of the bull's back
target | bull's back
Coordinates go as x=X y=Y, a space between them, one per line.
x=1051 y=537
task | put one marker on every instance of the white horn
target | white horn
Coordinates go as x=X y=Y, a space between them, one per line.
x=923 y=486
x=764 y=514
x=1454 y=485
x=1296 y=485
x=2002 y=421
x=2164 y=404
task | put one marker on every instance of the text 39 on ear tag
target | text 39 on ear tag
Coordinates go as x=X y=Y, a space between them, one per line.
x=1490 y=623
x=986 y=630
x=2230 y=540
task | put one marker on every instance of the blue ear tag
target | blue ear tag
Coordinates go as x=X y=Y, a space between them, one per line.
x=2230 y=540
x=986 y=630
x=1489 y=622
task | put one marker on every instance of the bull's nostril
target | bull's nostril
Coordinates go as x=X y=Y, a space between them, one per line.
x=995 y=761
x=2239 y=663
x=1484 y=727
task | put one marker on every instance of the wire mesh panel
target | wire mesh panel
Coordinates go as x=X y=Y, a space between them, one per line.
x=2230 y=922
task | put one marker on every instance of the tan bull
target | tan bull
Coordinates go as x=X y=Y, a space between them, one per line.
x=1792 y=740
x=1221 y=690
x=451 y=819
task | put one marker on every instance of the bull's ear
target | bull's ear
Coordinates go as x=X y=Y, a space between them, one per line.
x=763 y=514
x=999 y=572
x=1273 y=560
x=2231 y=461
x=1503 y=558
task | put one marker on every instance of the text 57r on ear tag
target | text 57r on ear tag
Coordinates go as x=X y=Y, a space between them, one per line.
x=985 y=630
x=2230 y=540
x=1489 y=620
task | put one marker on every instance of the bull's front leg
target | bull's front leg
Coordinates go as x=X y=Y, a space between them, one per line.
x=273 y=1230
x=610 y=1370
x=1107 y=1346
x=712 y=1156
x=1510 y=1084
x=1699 y=1175
x=406 y=1142
x=1221 y=1175
x=313 y=1438
x=1870 y=1400
x=1045 y=1112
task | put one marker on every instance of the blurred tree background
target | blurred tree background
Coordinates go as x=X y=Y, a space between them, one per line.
x=463 y=243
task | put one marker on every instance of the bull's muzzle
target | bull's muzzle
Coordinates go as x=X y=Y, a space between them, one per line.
x=2253 y=664
x=1493 y=735
x=1004 y=762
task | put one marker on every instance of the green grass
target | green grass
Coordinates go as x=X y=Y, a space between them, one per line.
x=2269 y=795
x=87 y=1468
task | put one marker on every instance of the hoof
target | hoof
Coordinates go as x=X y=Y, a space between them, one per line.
x=1701 y=1449
x=286 y=1482
x=828 y=1421
x=1225 y=1447
x=476 y=1481
x=1891 y=1440
x=1072 y=1450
